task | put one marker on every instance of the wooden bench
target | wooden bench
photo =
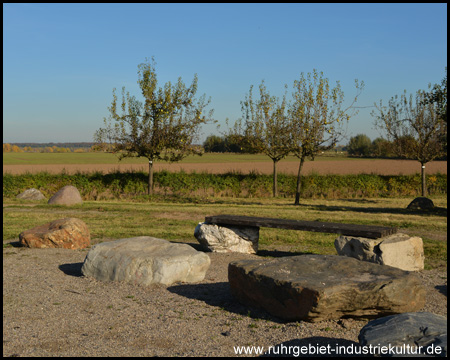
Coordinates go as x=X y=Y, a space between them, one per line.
x=366 y=231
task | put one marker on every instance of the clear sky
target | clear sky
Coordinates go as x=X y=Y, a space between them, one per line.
x=61 y=61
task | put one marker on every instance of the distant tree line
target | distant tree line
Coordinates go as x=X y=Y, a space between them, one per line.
x=226 y=143
x=48 y=147
x=361 y=146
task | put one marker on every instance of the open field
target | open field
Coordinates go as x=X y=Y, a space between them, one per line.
x=19 y=163
x=50 y=309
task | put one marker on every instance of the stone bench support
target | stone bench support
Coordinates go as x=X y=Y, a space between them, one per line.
x=376 y=244
x=398 y=250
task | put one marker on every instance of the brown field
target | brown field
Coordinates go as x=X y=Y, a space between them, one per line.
x=358 y=166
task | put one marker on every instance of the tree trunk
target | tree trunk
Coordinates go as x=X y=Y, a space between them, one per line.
x=424 y=185
x=299 y=181
x=150 y=177
x=275 y=179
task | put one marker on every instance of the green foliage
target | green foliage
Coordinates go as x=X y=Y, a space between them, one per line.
x=119 y=185
x=359 y=145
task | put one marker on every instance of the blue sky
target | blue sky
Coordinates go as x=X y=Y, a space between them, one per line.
x=61 y=61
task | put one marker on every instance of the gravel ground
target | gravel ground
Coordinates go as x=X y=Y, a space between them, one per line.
x=50 y=309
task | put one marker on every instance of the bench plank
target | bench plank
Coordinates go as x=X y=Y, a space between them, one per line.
x=367 y=231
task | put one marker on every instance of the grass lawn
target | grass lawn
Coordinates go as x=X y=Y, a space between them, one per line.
x=176 y=221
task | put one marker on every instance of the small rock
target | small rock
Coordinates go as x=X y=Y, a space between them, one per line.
x=31 y=194
x=421 y=203
x=68 y=233
x=68 y=195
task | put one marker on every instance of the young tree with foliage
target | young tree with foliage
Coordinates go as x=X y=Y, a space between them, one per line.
x=317 y=118
x=414 y=126
x=163 y=127
x=265 y=128
x=438 y=96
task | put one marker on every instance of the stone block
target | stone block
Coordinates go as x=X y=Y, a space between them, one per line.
x=398 y=250
x=321 y=287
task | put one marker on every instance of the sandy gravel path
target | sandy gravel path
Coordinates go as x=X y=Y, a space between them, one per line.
x=50 y=309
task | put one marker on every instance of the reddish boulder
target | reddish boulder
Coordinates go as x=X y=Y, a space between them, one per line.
x=68 y=195
x=68 y=233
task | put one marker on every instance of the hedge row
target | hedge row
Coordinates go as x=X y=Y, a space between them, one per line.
x=117 y=185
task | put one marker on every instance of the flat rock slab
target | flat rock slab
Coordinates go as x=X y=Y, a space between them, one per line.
x=320 y=287
x=67 y=233
x=145 y=260
x=398 y=250
x=409 y=331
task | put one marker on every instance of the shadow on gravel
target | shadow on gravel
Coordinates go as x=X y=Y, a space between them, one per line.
x=316 y=346
x=73 y=269
x=442 y=289
x=280 y=253
x=219 y=295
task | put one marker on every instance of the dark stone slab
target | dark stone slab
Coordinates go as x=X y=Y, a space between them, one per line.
x=321 y=287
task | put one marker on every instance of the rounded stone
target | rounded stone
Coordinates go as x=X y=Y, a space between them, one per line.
x=68 y=195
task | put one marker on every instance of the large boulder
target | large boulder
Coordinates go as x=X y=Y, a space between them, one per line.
x=145 y=260
x=67 y=195
x=227 y=239
x=421 y=203
x=321 y=287
x=31 y=194
x=415 y=331
x=68 y=233
x=398 y=250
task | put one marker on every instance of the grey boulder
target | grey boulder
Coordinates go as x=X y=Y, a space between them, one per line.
x=31 y=194
x=408 y=330
x=67 y=195
x=145 y=260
